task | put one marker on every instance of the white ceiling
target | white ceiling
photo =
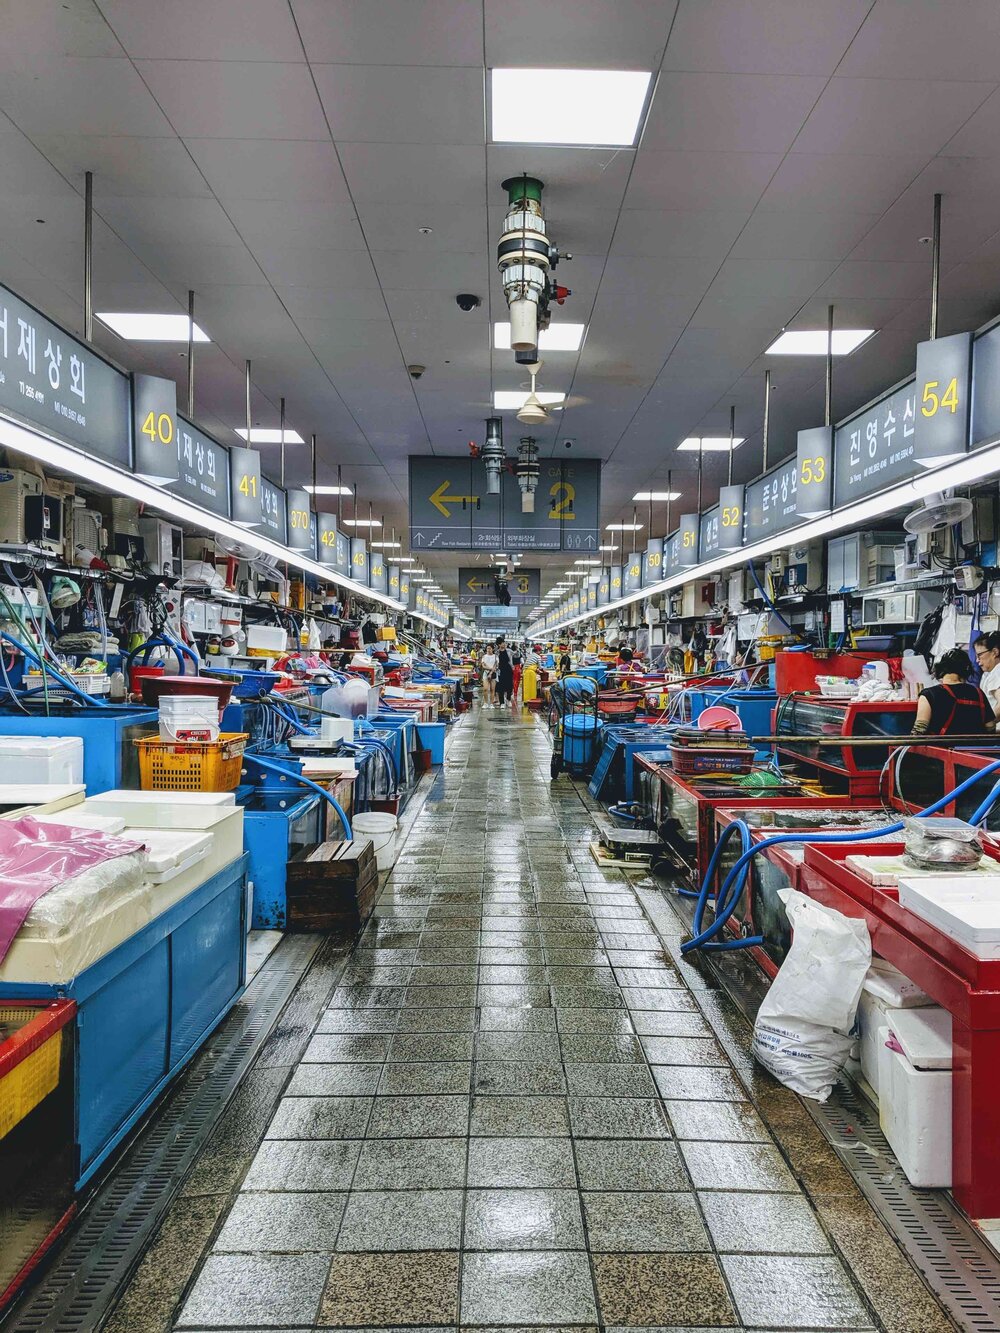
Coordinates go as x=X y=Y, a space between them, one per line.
x=280 y=156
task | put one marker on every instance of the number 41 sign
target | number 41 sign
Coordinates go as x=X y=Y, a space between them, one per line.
x=944 y=392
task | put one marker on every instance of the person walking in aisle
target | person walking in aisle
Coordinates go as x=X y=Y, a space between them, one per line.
x=517 y=659
x=488 y=677
x=505 y=676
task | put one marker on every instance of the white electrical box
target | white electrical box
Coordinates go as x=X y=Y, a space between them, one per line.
x=202 y=617
x=804 y=568
x=28 y=516
x=736 y=598
x=898 y=608
x=164 y=543
x=861 y=560
x=693 y=600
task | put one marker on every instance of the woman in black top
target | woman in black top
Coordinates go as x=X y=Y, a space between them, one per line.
x=954 y=708
x=505 y=676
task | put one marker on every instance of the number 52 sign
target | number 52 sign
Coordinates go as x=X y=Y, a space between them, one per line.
x=944 y=392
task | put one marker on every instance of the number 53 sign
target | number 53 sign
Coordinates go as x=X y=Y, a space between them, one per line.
x=944 y=383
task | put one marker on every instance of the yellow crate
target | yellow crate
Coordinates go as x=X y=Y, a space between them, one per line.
x=26 y=1081
x=191 y=765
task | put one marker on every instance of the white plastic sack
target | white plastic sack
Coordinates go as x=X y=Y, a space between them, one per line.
x=803 y=1028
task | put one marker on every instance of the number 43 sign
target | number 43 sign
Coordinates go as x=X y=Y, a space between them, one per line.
x=944 y=384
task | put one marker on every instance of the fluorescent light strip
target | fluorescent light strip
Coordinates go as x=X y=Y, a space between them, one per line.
x=271 y=435
x=708 y=444
x=556 y=338
x=599 y=108
x=624 y=527
x=317 y=490
x=362 y=522
x=813 y=342
x=38 y=445
x=656 y=495
x=137 y=327
x=975 y=467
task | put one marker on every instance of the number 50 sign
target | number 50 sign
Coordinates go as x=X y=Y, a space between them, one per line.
x=944 y=383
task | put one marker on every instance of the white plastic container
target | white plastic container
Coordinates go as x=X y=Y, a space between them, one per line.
x=381 y=828
x=915 y=1107
x=336 y=729
x=33 y=760
x=964 y=907
x=270 y=639
x=189 y=717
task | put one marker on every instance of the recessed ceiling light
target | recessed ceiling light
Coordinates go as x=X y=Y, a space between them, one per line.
x=151 y=328
x=512 y=400
x=362 y=522
x=556 y=338
x=657 y=495
x=586 y=562
x=624 y=527
x=387 y=546
x=812 y=342
x=267 y=435
x=597 y=107
x=315 y=490
x=709 y=444
x=610 y=546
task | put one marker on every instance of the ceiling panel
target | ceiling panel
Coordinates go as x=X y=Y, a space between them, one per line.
x=305 y=222
x=894 y=280
x=391 y=32
x=402 y=104
x=782 y=234
x=925 y=39
x=763 y=36
x=712 y=181
x=292 y=171
x=889 y=115
x=302 y=264
x=652 y=233
x=979 y=135
x=257 y=30
x=577 y=34
x=576 y=180
x=397 y=227
x=32 y=29
x=62 y=94
x=867 y=182
x=414 y=174
x=124 y=165
x=234 y=99
x=729 y=112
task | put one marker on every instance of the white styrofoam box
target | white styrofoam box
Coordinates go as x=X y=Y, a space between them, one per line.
x=874 y=1015
x=925 y=1036
x=16 y=799
x=36 y=759
x=887 y=983
x=964 y=907
x=163 y=809
x=172 y=851
x=110 y=824
x=914 y=1110
x=267 y=638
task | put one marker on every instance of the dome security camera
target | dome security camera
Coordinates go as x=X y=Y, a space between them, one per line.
x=468 y=301
x=416 y=371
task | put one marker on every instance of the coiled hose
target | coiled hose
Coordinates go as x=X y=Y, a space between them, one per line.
x=305 y=782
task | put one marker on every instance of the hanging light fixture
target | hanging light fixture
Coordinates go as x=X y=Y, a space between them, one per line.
x=493 y=455
x=526 y=471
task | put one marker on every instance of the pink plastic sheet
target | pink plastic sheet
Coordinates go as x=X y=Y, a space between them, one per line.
x=35 y=857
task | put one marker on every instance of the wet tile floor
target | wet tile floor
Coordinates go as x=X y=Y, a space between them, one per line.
x=513 y=1113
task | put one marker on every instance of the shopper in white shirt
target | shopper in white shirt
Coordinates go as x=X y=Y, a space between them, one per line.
x=987 y=649
x=488 y=676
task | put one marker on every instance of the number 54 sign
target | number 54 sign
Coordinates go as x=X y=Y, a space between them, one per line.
x=944 y=384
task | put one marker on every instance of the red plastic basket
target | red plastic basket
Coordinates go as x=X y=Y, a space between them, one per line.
x=689 y=760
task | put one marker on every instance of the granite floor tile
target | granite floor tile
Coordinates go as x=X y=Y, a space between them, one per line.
x=431 y=1076
x=439 y=997
x=610 y=1081
x=376 y=974
x=320 y=1118
x=594 y=1022
x=617 y=1118
x=368 y=997
x=583 y=1048
x=534 y=1288
x=649 y=978
x=346 y=1048
x=789 y=1291
x=565 y=996
x=384 y=1290
x=437 y=1020
x=698 y=1051
x=334 y=1080
x=516 y=1077
x=669 y=1023
x=525 y=1046
x=530 y=995
x=662 y=1291
x=255 y=1291
x=521 y=1163
x=737 y=1166
x=309 y=1164
x=508 y=1019
x=519 y=1117
x=403 y=1164
x=629 y=1164
x=644 y=1223
x=426 y=1116
x=523 y=1219
x=763 y=1224
x=359 y=1021
x=387 y=1220
x=719 y=1121
x=675 y=1081
x=414 y=1048
x=287 y=1223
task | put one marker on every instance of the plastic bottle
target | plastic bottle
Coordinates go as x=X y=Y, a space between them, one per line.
x=118 y=692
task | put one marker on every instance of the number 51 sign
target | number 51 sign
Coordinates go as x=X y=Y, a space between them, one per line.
x=944 y=393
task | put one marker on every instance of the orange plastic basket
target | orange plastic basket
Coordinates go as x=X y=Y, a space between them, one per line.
x=29 y=1057
x=191 y=765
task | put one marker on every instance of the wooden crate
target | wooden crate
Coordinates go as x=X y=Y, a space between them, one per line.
x=332 y=886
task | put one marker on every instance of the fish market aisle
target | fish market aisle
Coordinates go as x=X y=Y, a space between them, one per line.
x=514 y=1111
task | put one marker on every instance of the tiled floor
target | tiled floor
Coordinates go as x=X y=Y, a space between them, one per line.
x=513 y=1112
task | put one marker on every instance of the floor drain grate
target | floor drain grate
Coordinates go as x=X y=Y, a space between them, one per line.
x=79 y=1290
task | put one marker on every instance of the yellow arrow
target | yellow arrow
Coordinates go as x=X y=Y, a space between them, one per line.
x=476 y=584
x=440 y=499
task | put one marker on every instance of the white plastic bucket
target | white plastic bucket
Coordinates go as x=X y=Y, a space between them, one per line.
x=381 y=828
x=189 y=717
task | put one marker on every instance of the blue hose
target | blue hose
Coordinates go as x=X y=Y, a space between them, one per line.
x=306 y=782
x=767 y=597
x=728 y=896
x=289 y=717
x=64 y=682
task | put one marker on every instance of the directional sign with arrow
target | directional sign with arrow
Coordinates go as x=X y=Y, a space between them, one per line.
x=445 y=502
x=476 y=586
